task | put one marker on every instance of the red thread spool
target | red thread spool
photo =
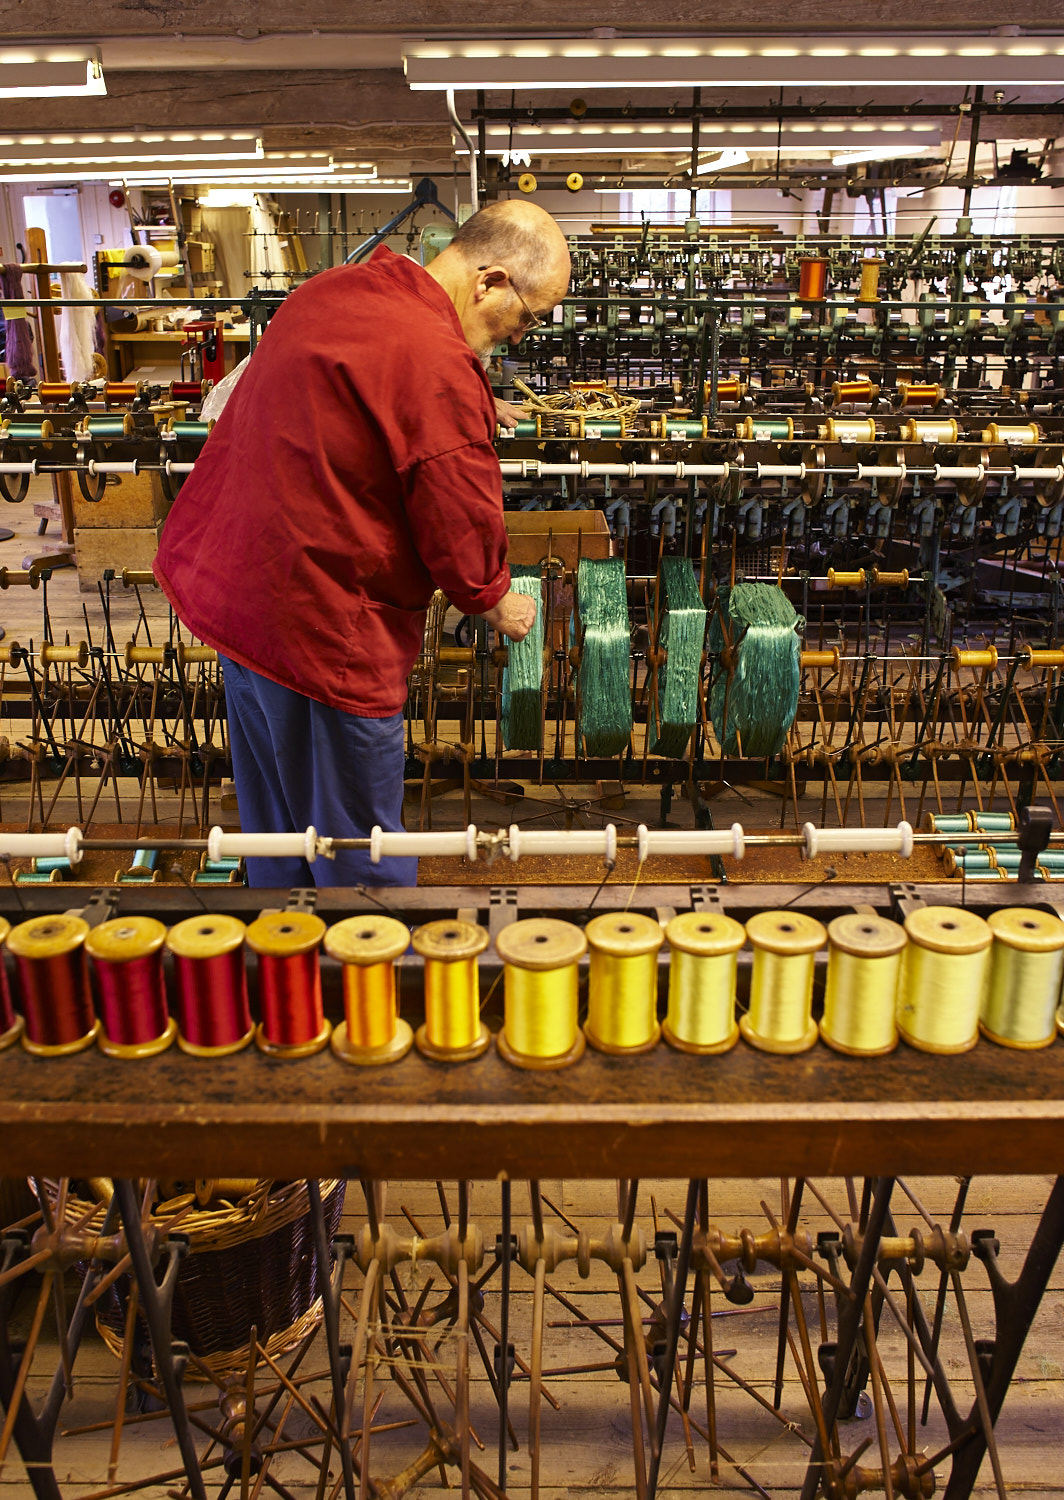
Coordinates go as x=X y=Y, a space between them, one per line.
x=10 y=1022
x=187 y=390
x=127 y=955
x=52 y=392
x=53 y=980
x=287 y=943
x=210 y=985
x=813 y=278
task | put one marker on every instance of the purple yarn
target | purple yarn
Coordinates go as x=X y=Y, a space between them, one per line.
x=18 y=354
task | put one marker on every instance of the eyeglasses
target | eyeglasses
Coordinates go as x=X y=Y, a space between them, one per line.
x=530 y=319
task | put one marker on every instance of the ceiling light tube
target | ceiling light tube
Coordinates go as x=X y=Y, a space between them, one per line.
x=50 y=72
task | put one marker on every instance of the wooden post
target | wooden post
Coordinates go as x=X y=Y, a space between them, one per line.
x=62 y=485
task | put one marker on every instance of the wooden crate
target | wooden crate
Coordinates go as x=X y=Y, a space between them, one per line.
x=569 y=533
x=135 y=500
x=97 y=548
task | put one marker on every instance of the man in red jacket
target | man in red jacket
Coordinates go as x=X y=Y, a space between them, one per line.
x=350 y=474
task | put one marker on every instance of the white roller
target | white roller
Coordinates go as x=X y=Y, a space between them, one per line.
x=781 y=471
x=42 y=845
x=959 y=474
x=30 y=468
x=522 y=841
x=222 y=845
x=897 y=840
x=409 y=845
x=143 y=262
x=131 y=467
x=881 y=471
x=729 y=841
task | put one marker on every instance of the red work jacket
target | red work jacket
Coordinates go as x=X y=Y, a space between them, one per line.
x=350 y=473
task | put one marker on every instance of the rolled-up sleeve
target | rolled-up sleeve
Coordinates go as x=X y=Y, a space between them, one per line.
x=454 y=507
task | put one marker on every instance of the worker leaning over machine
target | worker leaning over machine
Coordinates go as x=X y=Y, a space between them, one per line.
x=350 y=474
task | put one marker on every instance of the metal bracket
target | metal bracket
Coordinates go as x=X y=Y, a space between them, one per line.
x=707 y=898
x=503 y=908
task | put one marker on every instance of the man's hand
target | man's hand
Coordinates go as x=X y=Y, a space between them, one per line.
x=513 y=616
x=508 y=415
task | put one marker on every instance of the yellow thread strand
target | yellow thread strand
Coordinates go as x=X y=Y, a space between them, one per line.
x=541 y=1010
x=622 y=999
x=702 y=997
x=1021 y=995
x=452 y=1003
x=859 y=1001
x=939 y=997
x=781 y=995
x=369 y=1004
x=635 y=882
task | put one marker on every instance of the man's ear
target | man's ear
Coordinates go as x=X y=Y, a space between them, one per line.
x=490 y=278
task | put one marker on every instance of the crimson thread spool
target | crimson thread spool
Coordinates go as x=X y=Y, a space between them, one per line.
x=293 y=1023
x=453 y=1031
x=53 y=980
x=127 y=956
x=10 y=1020
x=210 y=985
x=371 y=1032
x=813 y=278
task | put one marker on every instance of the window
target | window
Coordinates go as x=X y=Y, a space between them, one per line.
x=662 y=206
x=59 y=215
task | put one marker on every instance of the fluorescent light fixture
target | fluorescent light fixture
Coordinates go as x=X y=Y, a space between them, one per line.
x=811 y=141
x=50 y=72
x=738 y=62
x=267 y=182
x=883 y=153
x=119 y=150
x=732 y=157
x=181 y=172
x=231 y=197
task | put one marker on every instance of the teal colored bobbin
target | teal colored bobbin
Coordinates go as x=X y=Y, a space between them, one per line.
x=521 y=713
x=683 y=634
x=604 y=723
x=754 y=697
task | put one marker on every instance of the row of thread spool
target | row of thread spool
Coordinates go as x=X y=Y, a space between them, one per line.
x=983 y=862
x=937 y=981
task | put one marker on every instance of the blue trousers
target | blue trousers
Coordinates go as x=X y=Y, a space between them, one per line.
x=299 y=763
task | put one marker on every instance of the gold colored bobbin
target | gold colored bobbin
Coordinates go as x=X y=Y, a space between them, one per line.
x=63 y=1049
x=975 y=658
x=867 y=938
x=826 y=658
x=1031 y=658
x=899 y=580
x=442 y=943
x=370 y=942
x=285 y=934
x=1026 y=930
x=199 y=939
x=705 y=936
x=223 y=1049
x=138 y=1049
x=840 y=580
x=952 y=932
x=541 y=946
x=789 y=935
x=48 y=936
x=124 y=939
x=621 y=936
x=316 y=1043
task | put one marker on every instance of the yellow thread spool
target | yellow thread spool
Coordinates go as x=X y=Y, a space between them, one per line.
x=705 y=949
x=864 y=961
x=944 y=970
x=851 y=429
x=1022 y=988
x=11 y=1022
x=622 y=1000
x=1033 y=658
x=785 y=945
x=930 y=430
x=826 y=658
x=542 y=978
x=975 y=657
x=371 y=1032
x=453 y=1030
x=841 y=580
x=869 y=291
x=293 y=1023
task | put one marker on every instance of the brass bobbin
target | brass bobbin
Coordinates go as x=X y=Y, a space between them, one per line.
x=1022 y=929
x=9 y=1037
x=953 y=933
x=706 y=938
x=541 y=946
x=868 y=939
x=288 y=935
x=442 y=944
x=619 y=939
x=198 y=939
x=792 y=936
x=368 y=944
x=124 y=940
x=43 y=938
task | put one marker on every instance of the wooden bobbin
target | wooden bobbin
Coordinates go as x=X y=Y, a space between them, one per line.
x=1026 y=966
x=884 y=580
x=841 y=580
x=1031 y=658
x=784 y=944
x=371 y=1032
x=453 y=1031
x=542 y=978
x=987 y=657
x=622 y=994
x=115 y=946
x=860 y=996
x=287 y=943
x=948 y=954
x=701 y=1016
x=49 y=952
x=10 y=1020
x=829 y=657
x=208 y=955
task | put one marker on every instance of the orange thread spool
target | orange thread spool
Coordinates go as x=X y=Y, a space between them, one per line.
x=53 y=975
x=211 y=987
x=910 y=394
x=127 y=955
x=119 y=393
x=10 y=1021
x=813 y=278
x=52 y=392
x=371 y=1032
x=843 y=391
x=293 y=1023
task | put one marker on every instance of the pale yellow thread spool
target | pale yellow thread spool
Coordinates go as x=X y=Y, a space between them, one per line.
x=943 y=973
x=930 y=430
x=1023 y=986
x=542 y=978
x=785 y=945
x=453 y=1030
x=622 y=997
x=864 y=961
x=851 y=430
x=371 y=1032
x=705 y=955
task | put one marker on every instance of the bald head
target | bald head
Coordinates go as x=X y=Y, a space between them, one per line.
x=520 y=235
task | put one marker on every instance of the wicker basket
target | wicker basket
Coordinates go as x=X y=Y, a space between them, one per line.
x=252 y=1264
